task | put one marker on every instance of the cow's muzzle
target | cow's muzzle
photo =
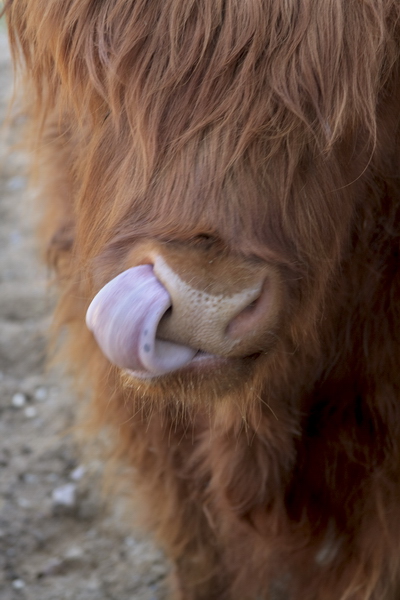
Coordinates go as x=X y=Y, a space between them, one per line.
x=152 y=319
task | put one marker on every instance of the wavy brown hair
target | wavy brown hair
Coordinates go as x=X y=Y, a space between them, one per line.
x=271 y=128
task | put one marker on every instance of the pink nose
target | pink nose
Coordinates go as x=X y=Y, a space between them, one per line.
x=151 y=320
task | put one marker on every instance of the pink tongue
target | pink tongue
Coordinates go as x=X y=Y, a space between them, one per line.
x=124 y=317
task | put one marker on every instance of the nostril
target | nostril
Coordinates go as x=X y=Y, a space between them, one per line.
x=251 y=306
x=167 y=314
x=249 y=320
x=245 y=315
x=161 y=325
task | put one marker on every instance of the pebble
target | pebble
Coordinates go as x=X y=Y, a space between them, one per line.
x=130 y=542
x=18 y=584
x=30 y=478
x=30 y=412
x=78 y=473
x=16 y=183
x=18 y=400
x=74 y=553
x=93 y=584
x=65 y=495
x=15 y=238
x=24 y=503
x=40 y=394
x=91 y=534
x=52 y=567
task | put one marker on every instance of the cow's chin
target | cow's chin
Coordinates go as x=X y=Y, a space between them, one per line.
x=209 y=374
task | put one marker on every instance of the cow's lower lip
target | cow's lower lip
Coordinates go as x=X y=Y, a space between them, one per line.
x=201 y=361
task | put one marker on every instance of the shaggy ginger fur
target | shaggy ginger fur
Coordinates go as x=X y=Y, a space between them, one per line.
x=268 y=129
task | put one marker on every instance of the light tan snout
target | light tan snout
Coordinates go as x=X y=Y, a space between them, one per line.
x=220 y=304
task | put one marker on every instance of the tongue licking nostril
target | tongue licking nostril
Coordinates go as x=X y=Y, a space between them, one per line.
x=124 y=317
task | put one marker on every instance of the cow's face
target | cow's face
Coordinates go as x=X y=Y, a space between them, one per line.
x=218 y=203
x=218 y=153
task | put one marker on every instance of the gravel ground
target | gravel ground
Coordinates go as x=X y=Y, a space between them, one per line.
x=59 y=540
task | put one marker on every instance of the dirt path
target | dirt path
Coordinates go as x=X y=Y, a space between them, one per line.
x=58 y=541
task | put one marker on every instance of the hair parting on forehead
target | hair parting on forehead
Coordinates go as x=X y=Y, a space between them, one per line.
x=279 y=67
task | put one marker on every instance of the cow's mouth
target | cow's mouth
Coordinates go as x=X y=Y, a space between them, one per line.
x=201 y=362
x=130 y=318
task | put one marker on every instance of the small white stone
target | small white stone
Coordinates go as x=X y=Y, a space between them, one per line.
x=92 y=584
x=24 y=503
x=92 y=533
x=65 y=495
x=30 y=412
x=40 y=394
x=78 y=473
x=15 y=238
x=130 y=542
x=18 y=584
x=18 y=401
x=16 y=183
x=74 y=553
x=51 y=567
x=31 y=478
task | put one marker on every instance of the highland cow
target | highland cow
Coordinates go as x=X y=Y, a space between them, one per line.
x=222 y=188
